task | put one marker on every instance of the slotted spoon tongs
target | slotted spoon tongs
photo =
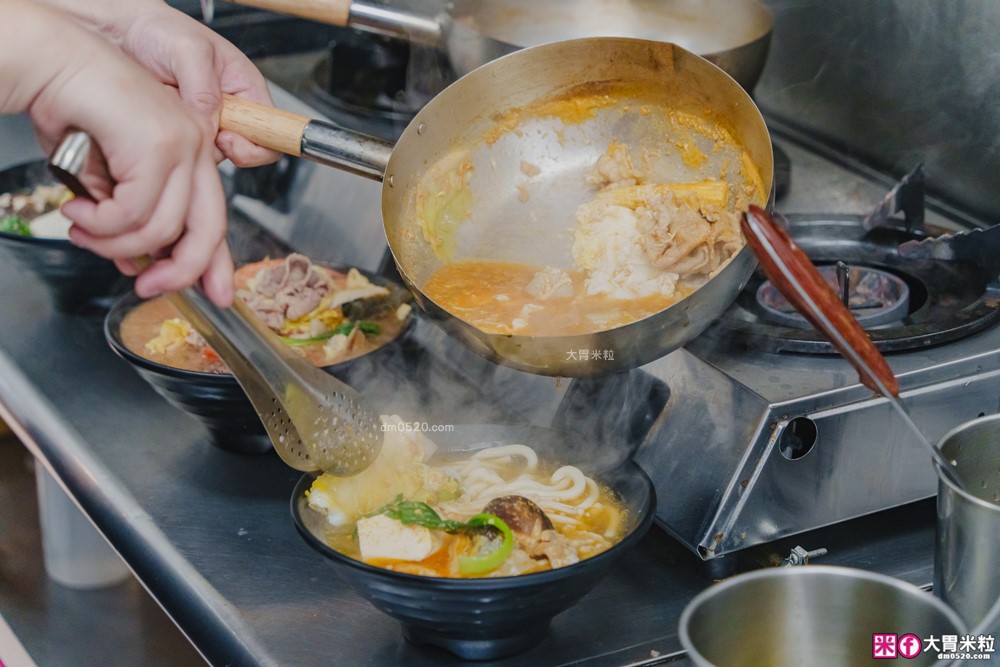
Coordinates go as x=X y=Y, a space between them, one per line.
x=315 y=421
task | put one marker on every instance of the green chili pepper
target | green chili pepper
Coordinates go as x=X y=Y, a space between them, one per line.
x=491 y=561
x=367 y=328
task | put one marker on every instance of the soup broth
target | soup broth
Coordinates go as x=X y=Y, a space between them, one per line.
x=494 y=297
x=415 y=512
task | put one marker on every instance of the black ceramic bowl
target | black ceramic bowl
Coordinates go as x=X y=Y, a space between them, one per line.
x=486 y=618
x=217 y=400
x=73 y=276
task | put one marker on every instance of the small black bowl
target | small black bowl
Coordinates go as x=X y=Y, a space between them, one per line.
x=217 y=400
x=485 y=619
x=74 y=277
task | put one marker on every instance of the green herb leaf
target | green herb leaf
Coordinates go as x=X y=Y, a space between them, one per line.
x=15 y=224
x=344 y=328
x=409 y=512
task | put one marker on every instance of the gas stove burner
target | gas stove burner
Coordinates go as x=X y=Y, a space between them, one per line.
x=947 y=300
x=365 y=74
x=875 y=297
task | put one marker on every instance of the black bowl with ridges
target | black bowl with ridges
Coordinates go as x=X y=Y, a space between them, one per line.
x=217 y=400
x=74 y=277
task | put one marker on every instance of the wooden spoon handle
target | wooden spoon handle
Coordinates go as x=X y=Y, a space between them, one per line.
x=794 y=275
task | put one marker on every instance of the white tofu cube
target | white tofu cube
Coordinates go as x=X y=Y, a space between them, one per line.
x=383 y=538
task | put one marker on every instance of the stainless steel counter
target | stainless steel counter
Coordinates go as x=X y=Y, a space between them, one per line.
x=208 y=533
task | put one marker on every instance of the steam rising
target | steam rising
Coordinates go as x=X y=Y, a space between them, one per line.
x=433 y=381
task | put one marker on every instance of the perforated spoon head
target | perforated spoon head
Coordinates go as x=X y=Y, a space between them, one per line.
x=319 y=423
x=314 y=421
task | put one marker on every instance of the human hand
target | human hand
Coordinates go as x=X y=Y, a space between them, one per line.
x=183 y=53
x=167 y=198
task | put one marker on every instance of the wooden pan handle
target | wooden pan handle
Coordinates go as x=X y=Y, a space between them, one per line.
x=791 y=271
x=265 y=126
x=334 y=12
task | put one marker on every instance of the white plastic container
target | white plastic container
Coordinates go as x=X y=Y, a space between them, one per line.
x=75 y=553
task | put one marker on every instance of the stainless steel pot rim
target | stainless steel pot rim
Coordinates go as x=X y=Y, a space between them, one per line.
x=764 y=16
x=943 y=478
x=834 y=571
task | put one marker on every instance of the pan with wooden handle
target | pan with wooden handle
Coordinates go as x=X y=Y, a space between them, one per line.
x=454 y=184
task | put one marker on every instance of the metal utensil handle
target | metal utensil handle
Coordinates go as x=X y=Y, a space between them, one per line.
x=288 y=392
x=298 y=135
x=227 y=331
x=794 y=275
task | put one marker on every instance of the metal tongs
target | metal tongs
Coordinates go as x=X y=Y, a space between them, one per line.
x=796 y=277
x=315 y=421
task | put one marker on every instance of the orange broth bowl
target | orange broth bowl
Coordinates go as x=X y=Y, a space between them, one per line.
x=216 y=399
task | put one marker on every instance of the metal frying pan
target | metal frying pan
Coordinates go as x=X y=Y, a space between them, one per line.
x=734 y=34
x=557 y=107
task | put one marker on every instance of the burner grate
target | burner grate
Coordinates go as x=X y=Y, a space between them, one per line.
x=874 y=297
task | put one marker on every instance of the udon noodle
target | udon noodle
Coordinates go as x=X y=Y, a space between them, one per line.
x=417 y=512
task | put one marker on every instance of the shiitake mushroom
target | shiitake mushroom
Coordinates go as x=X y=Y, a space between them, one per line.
x=525 y=518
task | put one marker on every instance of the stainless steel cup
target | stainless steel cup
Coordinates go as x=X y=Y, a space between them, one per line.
x=810 y=615
x=967 y=553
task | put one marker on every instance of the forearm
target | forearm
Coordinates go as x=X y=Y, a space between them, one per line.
x=34 y=55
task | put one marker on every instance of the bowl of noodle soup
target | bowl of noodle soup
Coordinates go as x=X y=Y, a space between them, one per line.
x=508 y=610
